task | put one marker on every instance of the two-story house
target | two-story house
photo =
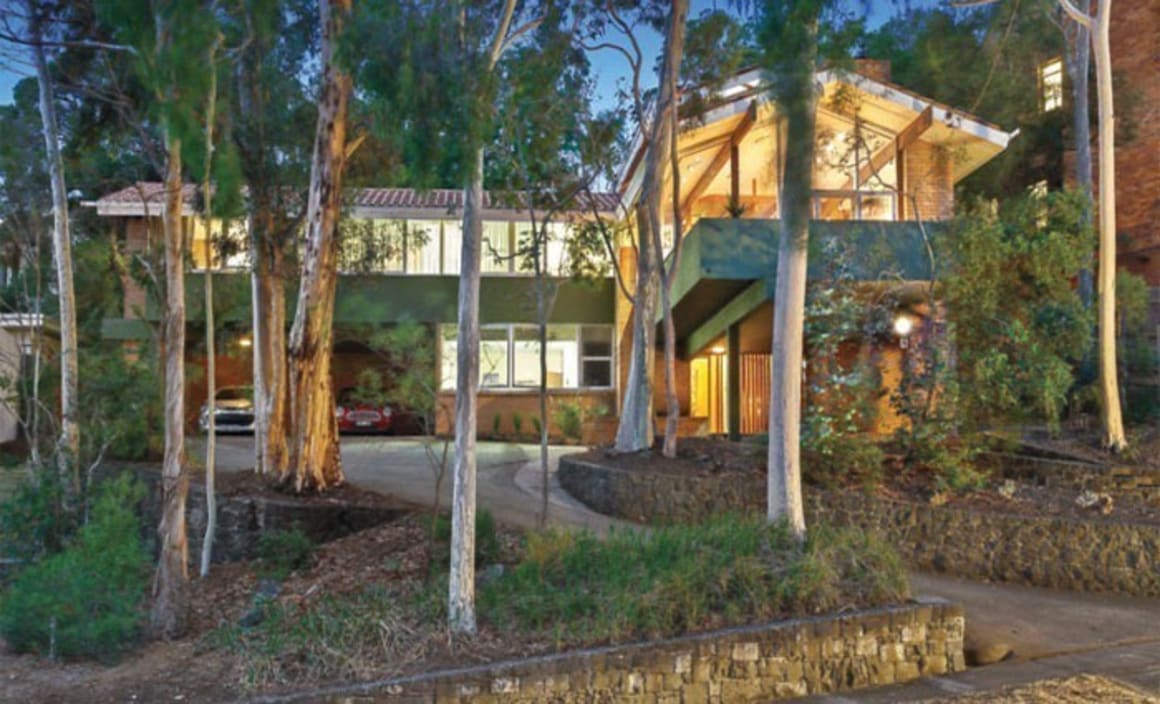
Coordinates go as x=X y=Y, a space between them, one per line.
x=888 y=160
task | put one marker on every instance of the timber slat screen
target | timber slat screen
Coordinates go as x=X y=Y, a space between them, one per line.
x=756 y=370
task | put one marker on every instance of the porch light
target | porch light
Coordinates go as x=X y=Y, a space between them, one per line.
x=717 y=350
x=903 y=325
x=245 y=342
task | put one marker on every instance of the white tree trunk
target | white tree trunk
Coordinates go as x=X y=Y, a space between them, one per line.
x=799 y=101
x=1078 y=64
x=210 y=337
x=168 y=616
x=461 y=584
x=68 y=445
x=1114 y=437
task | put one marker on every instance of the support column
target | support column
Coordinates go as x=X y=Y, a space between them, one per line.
x=734 y=389
x=734 y=175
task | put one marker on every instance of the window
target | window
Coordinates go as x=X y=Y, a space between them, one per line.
x=452 y=246
x=370 y=245
x=496 y=248
x=555 y=251
x=230 y=246
x=423 y=247
x=1051 y=85
x=578 y=356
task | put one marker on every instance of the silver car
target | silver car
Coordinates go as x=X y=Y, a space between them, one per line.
x=233 y=410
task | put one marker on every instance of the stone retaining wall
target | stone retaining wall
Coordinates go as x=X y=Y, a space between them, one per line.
x=241 y=520
x=749 y=664
x=1140 y=481
x=1063 y=553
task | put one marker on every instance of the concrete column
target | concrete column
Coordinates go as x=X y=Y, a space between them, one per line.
x=734 y=393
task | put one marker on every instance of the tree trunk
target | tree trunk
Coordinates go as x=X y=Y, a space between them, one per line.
x=168 y=616
x=1114 y=437
x=316 y=461
x=210 y=337
x=68 y=445
x=1078 y=61
x=635 y=431
x=269 y=348
x=798 y=98
x=461 y=589
x=539 y=241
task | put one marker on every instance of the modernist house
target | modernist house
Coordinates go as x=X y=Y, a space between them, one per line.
x=887 y=159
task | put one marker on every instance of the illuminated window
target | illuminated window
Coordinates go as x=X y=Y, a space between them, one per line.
x=1051 y=85
x=578 y=357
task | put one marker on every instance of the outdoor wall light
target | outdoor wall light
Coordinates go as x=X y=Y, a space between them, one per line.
x=903 y=325
x=717 y=350
x=245 y=342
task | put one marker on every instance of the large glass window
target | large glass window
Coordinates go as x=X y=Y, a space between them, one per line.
x=496 y=247
x=452 y=246
x=577 y=356
x=371 y=245
x=423 y=242
x=228 y=248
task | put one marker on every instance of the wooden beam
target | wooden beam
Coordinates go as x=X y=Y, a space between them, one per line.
x=721 y=158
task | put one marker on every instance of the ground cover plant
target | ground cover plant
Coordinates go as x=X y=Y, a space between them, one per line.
x=577 y=588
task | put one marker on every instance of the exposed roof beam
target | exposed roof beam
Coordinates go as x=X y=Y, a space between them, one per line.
x=906 y=136
x=719 y=161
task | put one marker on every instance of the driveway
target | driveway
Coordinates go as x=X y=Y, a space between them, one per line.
x=508 y=475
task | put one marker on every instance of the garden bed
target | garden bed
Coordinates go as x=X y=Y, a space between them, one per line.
x=1027 y=531
x=364 y=609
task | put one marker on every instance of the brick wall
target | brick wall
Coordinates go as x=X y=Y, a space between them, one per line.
x=929 y=180
x=1136 y=64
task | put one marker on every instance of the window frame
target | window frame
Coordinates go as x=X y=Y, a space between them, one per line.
x=510 y=387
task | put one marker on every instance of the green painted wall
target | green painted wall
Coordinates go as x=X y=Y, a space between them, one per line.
x=388 y=299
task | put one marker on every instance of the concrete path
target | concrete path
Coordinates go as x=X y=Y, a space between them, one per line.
x=1051 y=633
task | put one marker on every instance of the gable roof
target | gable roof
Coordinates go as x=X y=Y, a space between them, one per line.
x=739 y=92
x=147 y=198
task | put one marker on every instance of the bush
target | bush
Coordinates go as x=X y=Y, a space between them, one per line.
x=280 y=552
x=85 y=600
x=486 y=537
x=569 y=418
x=832 y=460
x=32 y=522
x=517 y=423
x=579 y=588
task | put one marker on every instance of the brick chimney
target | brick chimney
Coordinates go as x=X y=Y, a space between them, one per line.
x=874 y=69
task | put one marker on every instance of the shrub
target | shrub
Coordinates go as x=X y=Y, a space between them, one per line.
x=85 y=600
x=280 y=552
x=517 y=423
x=495 y=421
x=486 y=536
x=569 y=418
x=32 y=522
x=832 y=460
x=577 y=587
x=537 y=427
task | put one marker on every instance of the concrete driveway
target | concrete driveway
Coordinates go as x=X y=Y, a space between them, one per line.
x=508 y=475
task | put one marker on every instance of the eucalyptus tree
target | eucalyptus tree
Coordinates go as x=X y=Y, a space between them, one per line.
x=168 y=41
x=272 y=113
x=314 y=453
x=795 y=36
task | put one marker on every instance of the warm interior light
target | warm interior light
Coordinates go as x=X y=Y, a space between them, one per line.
x=245 y=342
x=903 y=325
x=718 y=350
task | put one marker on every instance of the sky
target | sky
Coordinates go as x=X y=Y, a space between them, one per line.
x=609 y=67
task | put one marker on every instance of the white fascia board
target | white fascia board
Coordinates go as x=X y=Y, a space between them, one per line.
x=492 y=214
x=133 y=209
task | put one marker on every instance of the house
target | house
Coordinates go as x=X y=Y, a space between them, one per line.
x=888 y=162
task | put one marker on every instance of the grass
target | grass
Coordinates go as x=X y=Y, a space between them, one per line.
x=574 y=589
x=578 y=589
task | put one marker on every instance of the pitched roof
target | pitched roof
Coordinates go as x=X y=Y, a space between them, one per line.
x=366 y=202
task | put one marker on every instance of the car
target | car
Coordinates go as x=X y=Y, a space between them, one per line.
x=358 y=416
x=233 y=410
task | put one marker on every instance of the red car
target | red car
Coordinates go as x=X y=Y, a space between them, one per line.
x=355 y=416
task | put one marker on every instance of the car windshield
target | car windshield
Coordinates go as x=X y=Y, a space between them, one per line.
x=236 y=393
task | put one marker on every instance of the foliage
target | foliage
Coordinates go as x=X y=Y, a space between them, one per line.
x=1137 y=352
x=85 y=600
x=569 y=418
x=579 y=588
x=33 y=523
x=486 y=537
x=518 y=423
x=1017 y=323
x=370 y=634
x=280 y=552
